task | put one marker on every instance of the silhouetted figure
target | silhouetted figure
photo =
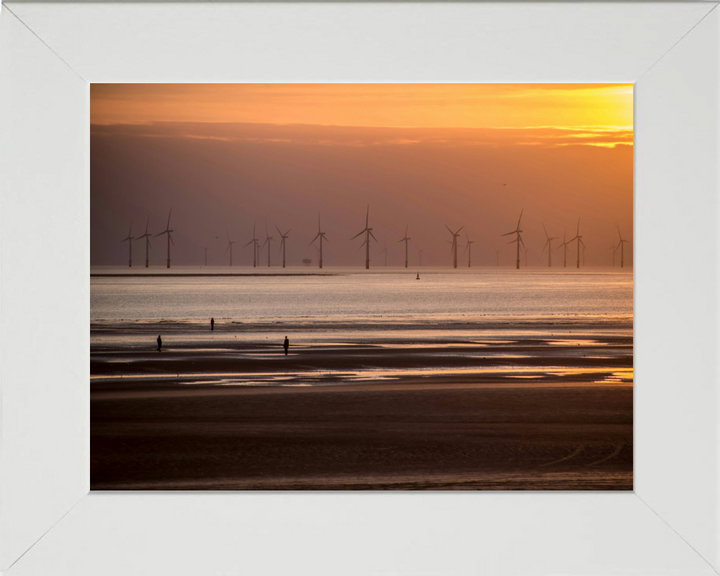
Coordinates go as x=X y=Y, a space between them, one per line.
x=212 y=324
x=159 y=341
x=286 y=345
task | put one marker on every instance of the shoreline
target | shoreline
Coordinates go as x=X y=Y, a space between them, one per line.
x=457 y=406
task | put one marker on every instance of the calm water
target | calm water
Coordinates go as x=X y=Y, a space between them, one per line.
x=342 y=293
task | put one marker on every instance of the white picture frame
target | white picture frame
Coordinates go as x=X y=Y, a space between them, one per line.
x=51 y=524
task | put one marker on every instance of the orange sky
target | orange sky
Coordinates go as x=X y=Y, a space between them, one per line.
x=601 y=106
x=226 y=157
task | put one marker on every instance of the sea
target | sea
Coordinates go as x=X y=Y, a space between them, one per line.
x=343 y=294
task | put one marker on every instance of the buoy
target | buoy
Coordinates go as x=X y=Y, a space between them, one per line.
x=418 y=276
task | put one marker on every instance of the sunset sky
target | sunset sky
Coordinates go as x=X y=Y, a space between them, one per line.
x=225 y=156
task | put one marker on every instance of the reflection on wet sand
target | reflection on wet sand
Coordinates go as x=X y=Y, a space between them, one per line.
x=473 y=405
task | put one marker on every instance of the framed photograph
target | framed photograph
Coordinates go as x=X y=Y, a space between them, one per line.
x=53 y=56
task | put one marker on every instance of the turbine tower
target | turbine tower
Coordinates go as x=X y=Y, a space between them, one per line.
x=206 y=249
x=169 y=235
x=579 y=242
x=622 y=248
x=368 y=232
x=548 y=245
x=129 y=240
x=254 y=242
x=468 y=247
x=614 y=248
x=453 y=247
x=564 y=246
x=320 y=235
x=283 y=237
x=268 y=240
x=229 y=247
x=497 y=257
x=384 y=251
x=147 y=243
x=519 y=240
x=406 y=239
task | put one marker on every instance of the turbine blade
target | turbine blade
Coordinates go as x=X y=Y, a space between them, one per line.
x=508 y=234
x=170 y=214
x=358 y=234
x=521 y=213
x=448 y=228
x=171 y=240
x=373 y=236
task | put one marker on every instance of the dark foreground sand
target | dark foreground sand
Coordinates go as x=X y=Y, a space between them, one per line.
x=543 y=410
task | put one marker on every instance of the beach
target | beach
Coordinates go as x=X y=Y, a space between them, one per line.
x=438 y=403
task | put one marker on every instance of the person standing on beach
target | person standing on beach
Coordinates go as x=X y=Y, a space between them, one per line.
x=286 y=345
x=159 y=341
x=212 y=324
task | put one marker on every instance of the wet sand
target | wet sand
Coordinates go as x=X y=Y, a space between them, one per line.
x=524 y=408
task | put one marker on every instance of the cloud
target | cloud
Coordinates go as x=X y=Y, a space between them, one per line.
x=313 y=135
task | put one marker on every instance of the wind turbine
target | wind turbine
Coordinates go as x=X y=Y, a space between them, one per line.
x=453 y=247
x=129 y=240
x=206 y=249
x=525 y=251
x=622 y=248
x=368 y=232
x=406 y=239
x=268 y=240
x=147 y=243
x=419 y=256
x=564 y=246
x=169 y=235
x=548 y=245
x=254 y=242
x=384 y=250
x=580 y=242
x=519 y=240
x=320 y=235
x=229 y=246
x=283 y=237
x=497 y=257
x=468 y=247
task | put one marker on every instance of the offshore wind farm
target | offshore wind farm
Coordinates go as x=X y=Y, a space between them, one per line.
x=512 y=371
